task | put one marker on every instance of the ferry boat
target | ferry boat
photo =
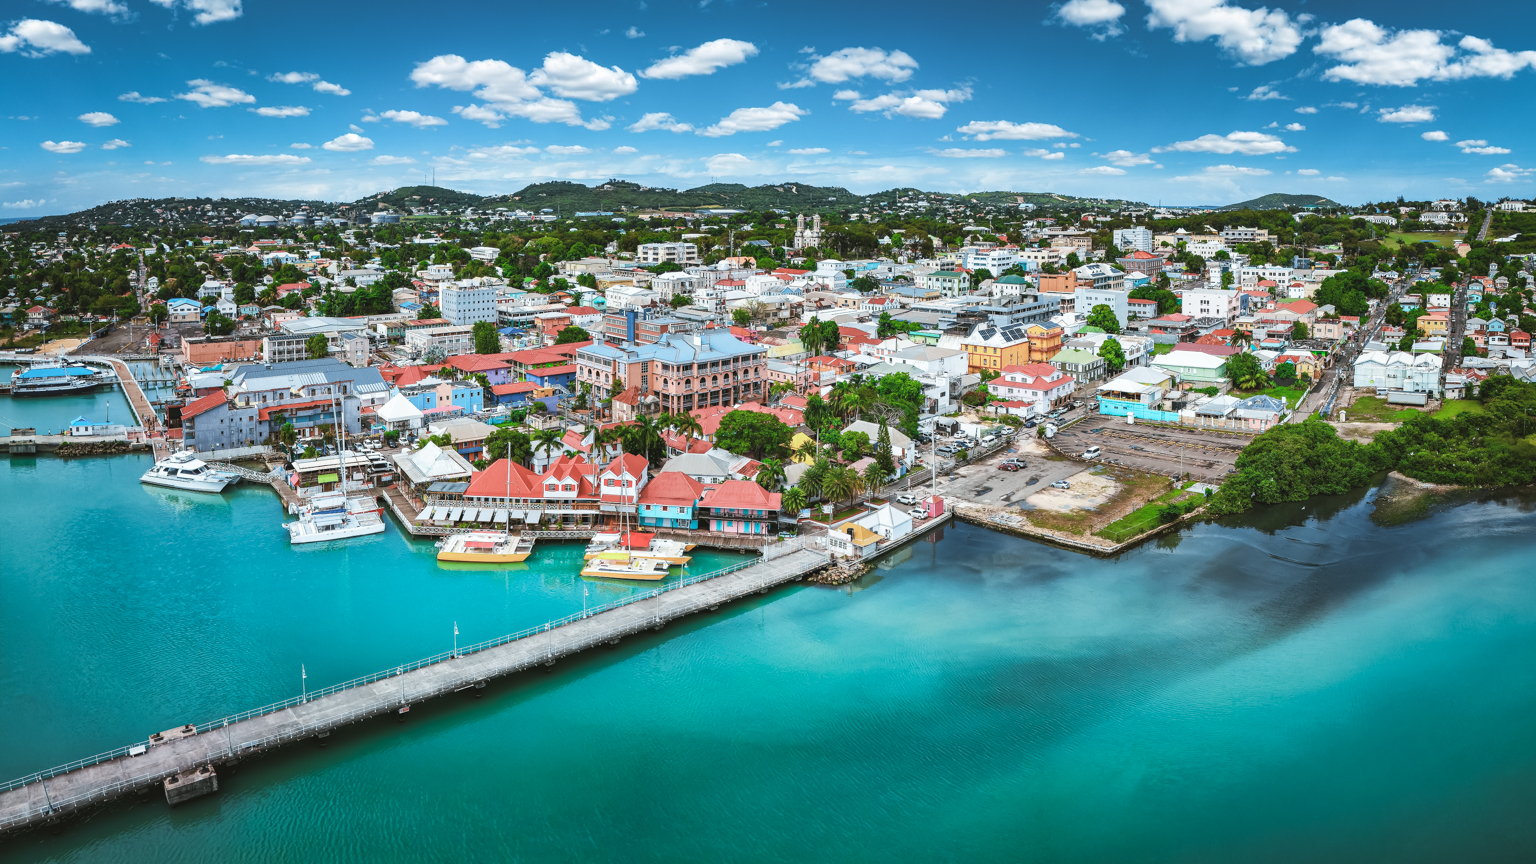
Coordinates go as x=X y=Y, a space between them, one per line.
x=334 y=517
x=184 y=470
x=485 y=547
x=55 y=378
x=618 y=564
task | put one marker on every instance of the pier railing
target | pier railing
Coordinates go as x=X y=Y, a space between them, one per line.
x=142 y=746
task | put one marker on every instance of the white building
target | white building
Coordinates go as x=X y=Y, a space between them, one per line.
x=995 y=259
x=467 y=304
x=1135 y=238
x=1039 y=385
x=1398 y=370
x=650 y=254
x=453 y=340
x=669 y=285
x=1084 y=299
x=621 y=297
x=1210 y=303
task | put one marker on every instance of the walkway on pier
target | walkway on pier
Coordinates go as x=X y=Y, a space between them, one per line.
x=49 y=795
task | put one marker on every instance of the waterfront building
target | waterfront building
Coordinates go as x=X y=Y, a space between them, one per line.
x=693 y=371
x=668 y=501
x=740 y=507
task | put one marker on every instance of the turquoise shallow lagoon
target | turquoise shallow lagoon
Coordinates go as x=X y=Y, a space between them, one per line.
x=1305 y=685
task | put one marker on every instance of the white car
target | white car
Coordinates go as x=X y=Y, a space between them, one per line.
x=908 y=500
x=1092 y=452
x=1061 y=484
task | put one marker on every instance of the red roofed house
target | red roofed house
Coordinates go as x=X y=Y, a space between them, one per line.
x=39 y=315
x=1140 y=308
x=740 y=507
x=1036 y=387
x=215 y=423
x=668 y=501
x=622 y=479
x=709 y=418
x=495 y=367
x=515 y=393
x=1177 y=324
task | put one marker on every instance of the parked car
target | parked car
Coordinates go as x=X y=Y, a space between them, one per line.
x=1008 y=466
x=907 y=499
x=1092 y=452
x=1061 y=484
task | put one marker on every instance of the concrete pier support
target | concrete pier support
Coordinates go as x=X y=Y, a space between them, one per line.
x=191 y=784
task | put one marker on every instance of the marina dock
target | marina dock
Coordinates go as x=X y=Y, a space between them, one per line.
x=183 y=761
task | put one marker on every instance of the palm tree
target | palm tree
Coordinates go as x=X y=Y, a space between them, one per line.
x=545 y=440
x=793 y=500
x=874 y=476
x=603 y=438
x=644 y=437
x=771 y=475
x=811 y=480
x=840 y=482
x=687 y=425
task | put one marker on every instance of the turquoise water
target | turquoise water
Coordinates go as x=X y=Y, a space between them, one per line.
x=53 y=414
x=1305 y=686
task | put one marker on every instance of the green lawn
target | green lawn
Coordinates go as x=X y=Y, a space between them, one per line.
x=1161 y=349
x=1289 y=394
x=1420 y=237
x=1457 y=407
x=1143 y=518
x=1372 y=409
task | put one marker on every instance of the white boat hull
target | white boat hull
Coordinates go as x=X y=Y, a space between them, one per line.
x=186 y=485
x=300 y=532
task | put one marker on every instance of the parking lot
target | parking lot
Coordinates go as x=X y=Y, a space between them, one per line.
x=984 y=483
x=1204 y=454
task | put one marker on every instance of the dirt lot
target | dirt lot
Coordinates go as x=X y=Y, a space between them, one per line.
x=1203 y=454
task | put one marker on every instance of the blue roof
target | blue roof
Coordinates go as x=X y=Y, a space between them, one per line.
x=57 y=372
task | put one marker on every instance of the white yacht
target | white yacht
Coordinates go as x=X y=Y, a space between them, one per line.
x=334 y=517
x=185 y=471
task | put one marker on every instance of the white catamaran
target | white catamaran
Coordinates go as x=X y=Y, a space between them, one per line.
x=334 y=516
x=185 y=471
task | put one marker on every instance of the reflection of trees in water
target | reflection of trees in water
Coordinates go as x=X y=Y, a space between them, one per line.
x=1273 y=518
x=1171 y=540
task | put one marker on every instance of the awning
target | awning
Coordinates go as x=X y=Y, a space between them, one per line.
x=456 y=515
x=327 y=478
x=484 y=515
x=501 y=516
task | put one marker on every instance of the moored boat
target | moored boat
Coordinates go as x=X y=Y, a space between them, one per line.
x=334 y=517
x=643 y=545
x=55 y=378
x=601 y=543
x=617 y=564
x=185 y=471
x=485 y=547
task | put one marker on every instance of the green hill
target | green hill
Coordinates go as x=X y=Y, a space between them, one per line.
x=1282 y=201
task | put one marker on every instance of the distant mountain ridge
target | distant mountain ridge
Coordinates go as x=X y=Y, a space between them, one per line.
x=1280 y=201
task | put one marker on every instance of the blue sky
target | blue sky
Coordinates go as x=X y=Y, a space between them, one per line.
x=1173 y=101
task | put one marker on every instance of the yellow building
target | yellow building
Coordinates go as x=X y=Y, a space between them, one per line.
x=990 y=348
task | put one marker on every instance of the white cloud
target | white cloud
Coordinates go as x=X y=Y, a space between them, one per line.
x=1252 y=36
x=727 y=163
x=281 y=111
x=24 y=204
x=415 y=118
x=567 y=150
x=1507 y=173
x=1295 y=127
x=1407 y=114
x=349 y=143
x=921 y=104
x=660 y=120
x=755 y=119
x=849 y=63
x=705 y=59
x=247 y=159
x=1309 y=172
x=392 y=160
x=115 y=144
x=1435 y=135
x=1337 y=179
x=208 y=11
x=98 y=118
x=1126 y=159
x=103 y=7
x=133 y=96
x=579 y=78
x=300 y=145
x=31 y=37
x=1264 y=93
x=312 y=79
x=1105 y=170
x=501 y=151
x=626 y=149
x=1480 y=147
x=964 y=153
x=210 y=95
x=1049 y=155
x=1235 y=171
x=1306 y=109
x=1246 y=143
x=809 y=151
x=1100 y=15
x=1004 y=130
x=633 y=32
x=63 y=146
x=1372 y=54
x=504 y=86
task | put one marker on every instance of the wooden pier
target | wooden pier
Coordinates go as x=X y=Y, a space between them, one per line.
x=192 y=751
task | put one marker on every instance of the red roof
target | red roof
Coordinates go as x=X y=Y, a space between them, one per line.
x=568 y=369
x=427 y=322
x=514 y=387
x=267 y=412
x=212 y=400
x=632 y=464
x=741 y=494
x=1300 y=307
x=582 y=310
x=677 y=441
x=1143 y=256
x=478 y=362
x=710 y=418
x=1038 y=370
x=672 y=489
x=493 y=482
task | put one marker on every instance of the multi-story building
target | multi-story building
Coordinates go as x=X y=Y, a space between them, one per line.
x=452 y=340
x=1117 y=300
x=693 y=371
x=260 y=398
x=1039 y=386
x=1137 y=238
x=467 y=303
x=992 y=348
x=650 y=254
x=949 y=283
x=1142 y=262
x=1211 y=303
x=1239 y=234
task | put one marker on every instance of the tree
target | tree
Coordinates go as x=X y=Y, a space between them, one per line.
x=678 y=301
x=157 y=313
x=218 y=324
x=874 y=476
x=904 y=393
x=1246 y=372
x=1103 y=317
x=428 y=312
x=685 y=424
x=770 y=475
x=1300 y=331
x=885 y=328
x=643 y=437
x=793 y=500
x=819 y=336
x=883 y=455
x=546 y=441
x=1285 y=371
x=741 y=317
x=840 y=482
x=510 y=443
x=1167 y=301
x=571 y=334
x=288 y=435
x=317 y=346
x=750 y=433
x=1468 y=347
x=487 y=340
x=855 y=445
x=1114 y=356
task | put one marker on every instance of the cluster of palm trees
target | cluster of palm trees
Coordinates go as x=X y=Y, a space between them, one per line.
x=644 y=436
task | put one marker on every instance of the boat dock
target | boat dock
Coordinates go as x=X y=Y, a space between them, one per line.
x=183 y=760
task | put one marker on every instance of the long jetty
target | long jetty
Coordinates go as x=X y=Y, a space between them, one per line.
x=184 y=760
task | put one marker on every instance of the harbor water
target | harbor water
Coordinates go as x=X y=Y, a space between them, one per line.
x=1302 y=685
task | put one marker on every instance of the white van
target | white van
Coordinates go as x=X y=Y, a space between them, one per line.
x=1091 y=452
